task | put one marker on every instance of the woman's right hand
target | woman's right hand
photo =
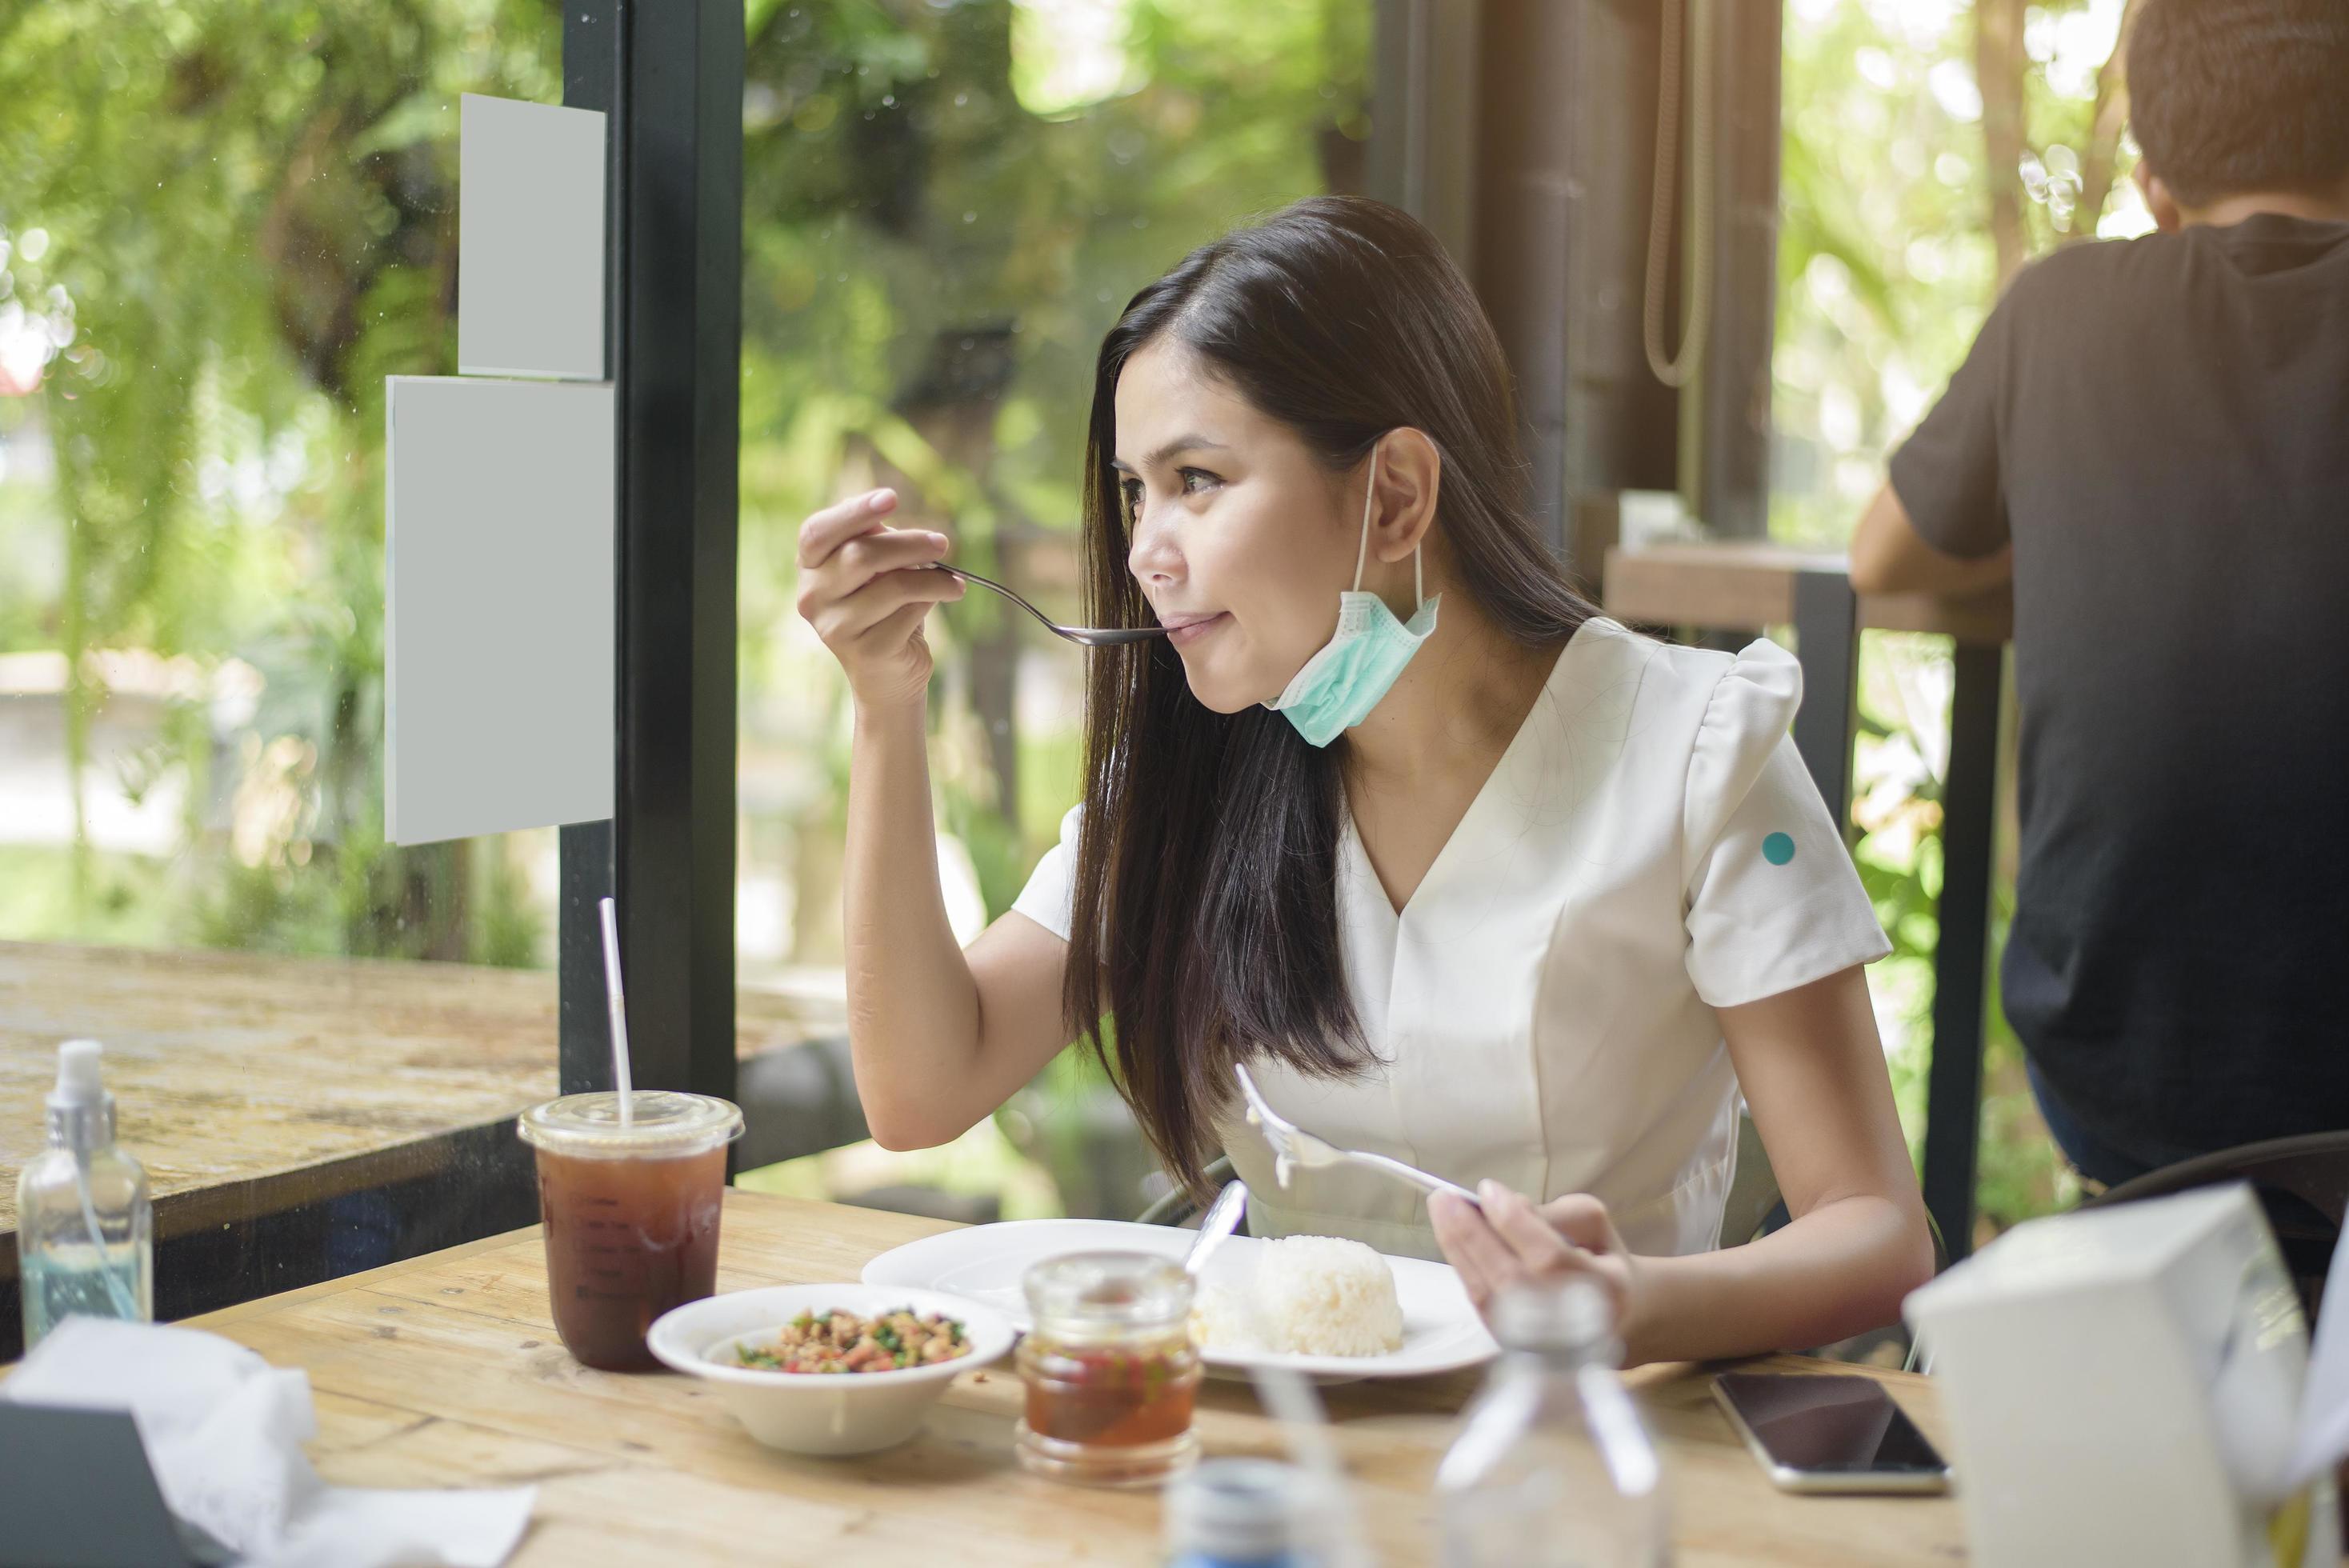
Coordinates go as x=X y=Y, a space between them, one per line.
x=860 y=591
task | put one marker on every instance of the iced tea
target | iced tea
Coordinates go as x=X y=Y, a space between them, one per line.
x=630 y=1212
x=625 y=1241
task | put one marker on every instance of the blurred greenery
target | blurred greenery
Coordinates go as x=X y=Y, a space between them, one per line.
x=1887 y=258
x=231 y=220
x=939 y=225
x=946 y=207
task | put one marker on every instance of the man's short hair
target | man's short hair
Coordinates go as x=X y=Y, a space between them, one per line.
x=2231 y=96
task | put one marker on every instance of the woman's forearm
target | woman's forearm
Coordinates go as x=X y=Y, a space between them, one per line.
x=1839 y=1270
x=913 y=1008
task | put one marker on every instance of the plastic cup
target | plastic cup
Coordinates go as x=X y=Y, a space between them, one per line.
x=630 y=1213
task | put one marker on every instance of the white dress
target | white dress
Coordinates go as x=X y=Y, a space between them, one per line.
x=1649 y=848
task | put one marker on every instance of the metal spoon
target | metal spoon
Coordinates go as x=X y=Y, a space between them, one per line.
x=1221 y=1219
x=1087 y=636
x=1293 y=1148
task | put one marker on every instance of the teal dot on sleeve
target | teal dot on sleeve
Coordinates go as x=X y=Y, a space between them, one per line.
x=1778 y=849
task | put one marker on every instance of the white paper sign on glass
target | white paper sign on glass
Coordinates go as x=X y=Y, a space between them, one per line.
x=498 y=613
x=530 y=239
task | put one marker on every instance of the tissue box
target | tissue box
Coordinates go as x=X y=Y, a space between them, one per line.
x=2123 y=1385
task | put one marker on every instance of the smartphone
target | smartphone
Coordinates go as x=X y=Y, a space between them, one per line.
x=1833 y=1432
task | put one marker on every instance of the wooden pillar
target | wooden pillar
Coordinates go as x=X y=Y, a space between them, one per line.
x=1523 y=132
x=1725 y=409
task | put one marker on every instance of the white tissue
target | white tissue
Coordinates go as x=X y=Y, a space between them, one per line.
x=224 y=1431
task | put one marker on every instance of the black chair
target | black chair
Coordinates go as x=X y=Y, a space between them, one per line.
x=2302 y=1183
x=1178 y=1207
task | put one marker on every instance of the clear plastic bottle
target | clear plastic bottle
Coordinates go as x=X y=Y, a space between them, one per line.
x=1553 y=1466
x=85 y=1225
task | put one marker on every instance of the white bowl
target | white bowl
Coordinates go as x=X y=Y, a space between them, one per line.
x=820 y=1412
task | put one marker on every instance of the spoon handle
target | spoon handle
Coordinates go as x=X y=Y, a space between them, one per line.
x=1000 y=588
x=1084 y=637
x=1223 y=1217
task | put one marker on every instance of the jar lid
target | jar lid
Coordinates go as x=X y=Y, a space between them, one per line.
x=1108 y=1291
x=662 y=1124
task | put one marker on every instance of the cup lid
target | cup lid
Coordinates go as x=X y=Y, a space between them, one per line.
x=662 y=1122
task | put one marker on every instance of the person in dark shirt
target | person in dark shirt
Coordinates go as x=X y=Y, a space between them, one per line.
x=2151 y=436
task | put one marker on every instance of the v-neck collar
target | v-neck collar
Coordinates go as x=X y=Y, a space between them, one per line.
x=1359 y=854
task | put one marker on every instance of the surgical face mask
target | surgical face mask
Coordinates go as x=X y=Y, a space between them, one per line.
x=1340 y=683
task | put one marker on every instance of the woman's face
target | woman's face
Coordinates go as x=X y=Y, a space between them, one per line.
x=1239 y=538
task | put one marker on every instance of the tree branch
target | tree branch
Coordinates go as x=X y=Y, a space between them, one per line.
x=2099 y=167
x=1998 y=72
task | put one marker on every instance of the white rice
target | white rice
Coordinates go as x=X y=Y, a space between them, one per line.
x=1313 y=1295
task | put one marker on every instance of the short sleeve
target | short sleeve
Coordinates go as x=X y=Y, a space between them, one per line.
x=1051 y=893
x=1774 y=900
x=1946 y=473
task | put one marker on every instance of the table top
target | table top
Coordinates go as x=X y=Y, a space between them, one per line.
x=251 y=1082
x=1751 y=585
x=446 y=1371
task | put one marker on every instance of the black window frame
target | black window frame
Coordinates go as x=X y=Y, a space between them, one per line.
x=668 y=77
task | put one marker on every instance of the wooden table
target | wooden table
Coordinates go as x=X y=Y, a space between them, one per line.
x=1748 y=587
x=247 y=1080
x=446 y=1371
x=254 y=1087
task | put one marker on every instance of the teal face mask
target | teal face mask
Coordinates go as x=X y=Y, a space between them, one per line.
x=1340 y=683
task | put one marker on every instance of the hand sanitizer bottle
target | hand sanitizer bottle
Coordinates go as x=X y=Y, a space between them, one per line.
x=85 y=1225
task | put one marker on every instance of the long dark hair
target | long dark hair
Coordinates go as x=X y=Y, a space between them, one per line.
x=1206 y=917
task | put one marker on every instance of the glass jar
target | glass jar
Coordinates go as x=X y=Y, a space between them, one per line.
x=1111 y=1371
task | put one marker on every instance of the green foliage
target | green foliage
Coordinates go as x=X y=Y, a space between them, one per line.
x=1886 y=261
x=239 y=218
x=930 y=261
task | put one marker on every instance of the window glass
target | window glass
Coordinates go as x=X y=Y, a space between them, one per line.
x=221 y=228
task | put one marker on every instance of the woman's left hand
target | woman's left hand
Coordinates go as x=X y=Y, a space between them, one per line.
x=1512 y=1242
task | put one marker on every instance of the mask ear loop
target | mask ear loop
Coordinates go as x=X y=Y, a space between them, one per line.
x=1362 y=556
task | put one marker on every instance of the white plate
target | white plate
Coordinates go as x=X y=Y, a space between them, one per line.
x=1440 y=1330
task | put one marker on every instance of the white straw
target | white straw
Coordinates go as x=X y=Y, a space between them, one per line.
x=619 y=1007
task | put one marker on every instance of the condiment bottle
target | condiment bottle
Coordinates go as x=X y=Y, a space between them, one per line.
x=1110 y=1368
x=85 y=1224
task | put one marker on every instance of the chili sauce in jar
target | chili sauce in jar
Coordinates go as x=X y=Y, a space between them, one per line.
x=1111 y=1371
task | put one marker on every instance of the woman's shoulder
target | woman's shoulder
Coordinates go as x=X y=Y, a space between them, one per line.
x=1757 y=687
x=1707 y=720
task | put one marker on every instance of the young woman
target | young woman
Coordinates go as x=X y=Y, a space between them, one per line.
x=1467 y=873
